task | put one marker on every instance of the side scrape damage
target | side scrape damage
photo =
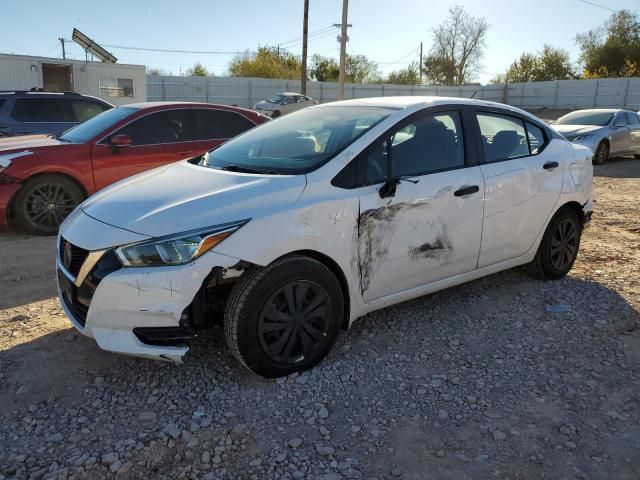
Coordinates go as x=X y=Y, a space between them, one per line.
x=440 y=249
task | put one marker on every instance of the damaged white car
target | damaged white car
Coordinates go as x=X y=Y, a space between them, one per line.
x=293 y=230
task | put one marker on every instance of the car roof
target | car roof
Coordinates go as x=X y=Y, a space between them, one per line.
x=402 y=102
x=600 y=110
x=160 y=105
x=291 y=94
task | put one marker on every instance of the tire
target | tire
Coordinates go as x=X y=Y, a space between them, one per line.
x=260 y=329
x=636 y=156
x=276 y=114
x=559 y=247
x=602 y=153
x=44 y=202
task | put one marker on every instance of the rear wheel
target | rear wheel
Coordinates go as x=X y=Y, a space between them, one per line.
x=285 y=317
x=44 y=202
x=559 y=247
x=602 y=154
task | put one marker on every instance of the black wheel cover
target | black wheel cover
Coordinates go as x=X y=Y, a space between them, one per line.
x=564 y=244
x=295 y=322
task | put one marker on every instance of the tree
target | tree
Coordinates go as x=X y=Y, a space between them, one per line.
x=267 y=62
x=358 y=69
x=457 y=50
x=158 y=71
x=198 y=70
x=406 y=76
x=612 y=50
x=549 y=64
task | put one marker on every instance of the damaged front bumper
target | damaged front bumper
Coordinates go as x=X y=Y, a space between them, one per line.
x=134 y=311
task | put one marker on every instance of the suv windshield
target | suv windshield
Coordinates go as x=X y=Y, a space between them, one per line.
x=297 y=143
x=585 y=118
x=276 y=99
x=85 y=131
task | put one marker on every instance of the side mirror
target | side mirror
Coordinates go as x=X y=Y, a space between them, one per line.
x=120 y=140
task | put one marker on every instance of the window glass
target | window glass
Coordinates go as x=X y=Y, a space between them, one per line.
x=301 y=99
x=41 y=110
x=503 y=137
x=620 y=119
x=428 y=144
x=96 y=125
x=289 y=101
x=220 y=124
x=2 y=100
x=632 y=118
x=171 y=126
x=85 y=109
x=116 y=87
x=585 y=117
x=299 y=142
x=536 y=138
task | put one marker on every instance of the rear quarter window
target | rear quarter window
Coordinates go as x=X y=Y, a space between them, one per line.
x=219 y=124
x=42 y=110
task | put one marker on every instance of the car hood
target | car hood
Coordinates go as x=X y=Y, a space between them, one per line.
x=181 y=197
x=576 y=129
x=264 y=105
x=28 y=142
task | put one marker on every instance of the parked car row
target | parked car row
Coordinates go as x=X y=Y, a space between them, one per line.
x=283 y=103
x=44 y=177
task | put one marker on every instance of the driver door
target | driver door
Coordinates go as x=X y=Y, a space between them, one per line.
x=428 y=228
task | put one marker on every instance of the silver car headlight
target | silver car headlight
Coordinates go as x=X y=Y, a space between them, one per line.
x=175 y=249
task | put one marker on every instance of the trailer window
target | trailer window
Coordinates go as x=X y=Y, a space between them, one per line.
x=116 y=87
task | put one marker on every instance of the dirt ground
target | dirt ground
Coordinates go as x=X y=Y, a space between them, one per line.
x=45 y=366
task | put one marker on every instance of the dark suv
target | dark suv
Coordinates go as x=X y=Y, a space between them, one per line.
x=24 y=113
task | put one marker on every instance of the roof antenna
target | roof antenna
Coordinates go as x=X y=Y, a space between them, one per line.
x=474 y=93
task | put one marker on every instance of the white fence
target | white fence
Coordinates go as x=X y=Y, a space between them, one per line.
x=245 y=92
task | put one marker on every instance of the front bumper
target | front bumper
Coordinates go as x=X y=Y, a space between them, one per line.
x=134 y=311
x=266 y=113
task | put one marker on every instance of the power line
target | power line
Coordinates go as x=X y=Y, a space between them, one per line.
x=299 y=39
x=598 y=5
x=415 y=50
x=164 y=50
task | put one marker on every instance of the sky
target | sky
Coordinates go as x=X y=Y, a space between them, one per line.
x=388 y=32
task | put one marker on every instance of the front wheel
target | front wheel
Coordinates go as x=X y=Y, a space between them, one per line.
x=559 y=247
x=276 y=114
x=602 y=154
x=284 y=318
x=44 y=202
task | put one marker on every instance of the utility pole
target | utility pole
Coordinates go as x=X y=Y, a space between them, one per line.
x=343 y=49
x=420 y=66
x=64 y=54
x=305 y=30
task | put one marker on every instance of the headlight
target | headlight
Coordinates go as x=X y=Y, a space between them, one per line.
x=584 y=136
x=175 y=249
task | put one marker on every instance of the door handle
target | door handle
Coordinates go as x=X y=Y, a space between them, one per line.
x=466 y=191
x=550 y=165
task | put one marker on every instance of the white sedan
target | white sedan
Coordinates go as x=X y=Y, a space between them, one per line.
x=292 y=231
x=283 y=103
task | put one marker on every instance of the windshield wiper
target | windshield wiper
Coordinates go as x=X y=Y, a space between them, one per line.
x=239 y=169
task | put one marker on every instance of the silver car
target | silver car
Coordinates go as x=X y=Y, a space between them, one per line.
x=608 y=132
x=282 y=103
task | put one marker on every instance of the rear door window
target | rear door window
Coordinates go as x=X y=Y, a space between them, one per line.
x=632 y=118
x=219 y=124
x=503 y=137
x=170 y=126
x=42 y=110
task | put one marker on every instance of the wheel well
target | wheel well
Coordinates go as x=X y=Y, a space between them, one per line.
x=46 y=174
x=337 y=271
x=576 y=207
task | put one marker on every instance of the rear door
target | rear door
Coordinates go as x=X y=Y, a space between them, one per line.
x=523 y=174
x=213 y=127
x=430 y=228
x=157 y=138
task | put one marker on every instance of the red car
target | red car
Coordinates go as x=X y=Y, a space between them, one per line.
x=43 y=178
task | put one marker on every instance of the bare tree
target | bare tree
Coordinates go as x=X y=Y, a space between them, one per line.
x=457 y=50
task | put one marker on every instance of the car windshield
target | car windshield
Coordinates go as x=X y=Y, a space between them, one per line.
x=276 y=99
x=297 y=143
x=85 y=131
x=585 y=118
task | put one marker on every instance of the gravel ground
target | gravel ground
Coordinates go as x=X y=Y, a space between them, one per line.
x=505 y=377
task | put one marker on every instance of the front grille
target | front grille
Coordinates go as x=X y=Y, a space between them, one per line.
x=78 y=310
x=72 y=257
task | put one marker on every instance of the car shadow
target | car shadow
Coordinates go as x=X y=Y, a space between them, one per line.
x=621 y=167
